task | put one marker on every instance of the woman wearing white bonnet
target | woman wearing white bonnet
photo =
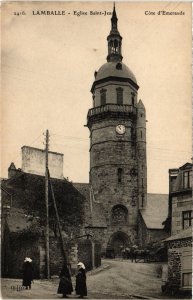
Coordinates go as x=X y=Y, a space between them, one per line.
x=81 y=265
x=28 y=259
x=81 y=288
x=27 y=273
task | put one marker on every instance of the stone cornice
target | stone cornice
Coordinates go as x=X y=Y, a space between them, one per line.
x=114 y=78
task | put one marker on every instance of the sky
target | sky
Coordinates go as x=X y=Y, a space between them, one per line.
x=48 y=65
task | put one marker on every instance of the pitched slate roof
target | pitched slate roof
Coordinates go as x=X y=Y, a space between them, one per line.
x=156 y=211
x=28 y=193
x=186 y=233
x=178 y=185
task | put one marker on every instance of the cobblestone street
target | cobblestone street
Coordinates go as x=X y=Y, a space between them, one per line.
x=116 y=279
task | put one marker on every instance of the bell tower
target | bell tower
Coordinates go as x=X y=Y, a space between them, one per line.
x=117 y=125
x=114 y=40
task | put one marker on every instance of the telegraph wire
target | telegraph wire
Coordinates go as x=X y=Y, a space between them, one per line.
x=176 y=161
x=15 y=157
x=148 y=147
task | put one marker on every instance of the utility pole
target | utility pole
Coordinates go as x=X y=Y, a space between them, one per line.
x=58 y=219
x=47 y=207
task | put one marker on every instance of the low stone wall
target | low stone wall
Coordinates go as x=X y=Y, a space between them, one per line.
x=20 y=247
x=174 y=266
x=97 y=252
x=175 y=252
x=85 y=253
x=56 y=257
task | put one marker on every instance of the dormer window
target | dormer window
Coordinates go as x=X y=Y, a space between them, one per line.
x=187 y=178
x=119 y=66
x=119 y=96
x=103 y=96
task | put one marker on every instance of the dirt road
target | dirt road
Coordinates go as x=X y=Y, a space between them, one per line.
x=117 y=280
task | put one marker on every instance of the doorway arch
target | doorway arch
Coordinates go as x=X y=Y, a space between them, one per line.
x=117 y=242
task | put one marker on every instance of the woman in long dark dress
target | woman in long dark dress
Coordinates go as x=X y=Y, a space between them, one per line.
x=27 y=273
x=65 y=284
x=81 y=288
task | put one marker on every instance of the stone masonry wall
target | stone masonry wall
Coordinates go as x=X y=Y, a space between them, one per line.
x=142 y=232
x=104 y=235
x=85 y=253
x=98 y=235
x=116 y=178
x=97 y=254
x=111 y=94
x=175 y=260
x=21 y=247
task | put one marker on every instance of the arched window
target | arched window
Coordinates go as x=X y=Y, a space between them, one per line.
x=119 y=96
x=133 y=98
x=119 y=214
x=116 y=46
x=119 y=175
x=103 y=96
x=112 y=46
x=132 y=132
x=93 y=98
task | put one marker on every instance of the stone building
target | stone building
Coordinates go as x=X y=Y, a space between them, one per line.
x=180 y=196
x=118 y=168
x=180 y=242
x=24 y=219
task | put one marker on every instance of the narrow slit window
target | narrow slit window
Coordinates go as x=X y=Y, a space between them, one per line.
x=119 y=96
x=133 y=99
x=142 y=200
x=103 y=96
x=119 y=175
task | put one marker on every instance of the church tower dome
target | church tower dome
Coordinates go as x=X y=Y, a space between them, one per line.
x=117 y=125
x=114 y=66
x=114 y=69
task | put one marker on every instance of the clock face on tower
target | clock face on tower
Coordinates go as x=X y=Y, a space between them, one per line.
x=120 y=129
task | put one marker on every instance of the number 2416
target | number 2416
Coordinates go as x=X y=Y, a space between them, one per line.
x=19 y=13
